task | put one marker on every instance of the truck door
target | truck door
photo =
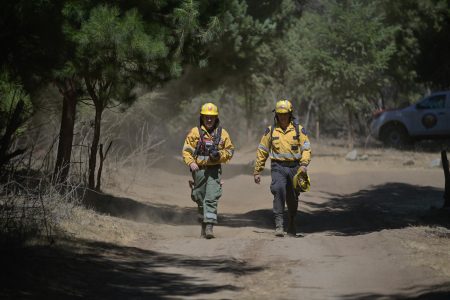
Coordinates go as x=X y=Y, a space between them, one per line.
x=432 y=115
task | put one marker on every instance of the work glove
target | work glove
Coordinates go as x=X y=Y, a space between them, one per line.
x=214 y=155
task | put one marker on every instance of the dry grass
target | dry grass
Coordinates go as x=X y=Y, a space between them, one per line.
x=34 y=207
x=86 y=224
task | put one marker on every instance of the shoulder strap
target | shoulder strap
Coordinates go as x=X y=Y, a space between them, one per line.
x=218 y=135
x=200 y=132
x=272 y=128
x=297 y=128
x=200 y=141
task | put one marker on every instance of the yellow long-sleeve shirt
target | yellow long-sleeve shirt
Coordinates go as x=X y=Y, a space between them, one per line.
x=226 y=148
x=283 y=146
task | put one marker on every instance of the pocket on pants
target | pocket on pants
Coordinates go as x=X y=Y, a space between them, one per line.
x=195 y=196
x=219 y=192
x=216 y=189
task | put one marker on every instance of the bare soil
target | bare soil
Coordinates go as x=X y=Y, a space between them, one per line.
x=373 y=229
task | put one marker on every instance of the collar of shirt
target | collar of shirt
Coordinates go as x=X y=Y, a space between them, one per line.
x=209 y=135
x=288 y=129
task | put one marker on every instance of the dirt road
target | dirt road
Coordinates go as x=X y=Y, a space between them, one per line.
x=361 y=223
x=370 y=233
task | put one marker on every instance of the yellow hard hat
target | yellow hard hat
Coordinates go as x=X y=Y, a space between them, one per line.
x=283 y=107
x=301 y=181
x=209 y=109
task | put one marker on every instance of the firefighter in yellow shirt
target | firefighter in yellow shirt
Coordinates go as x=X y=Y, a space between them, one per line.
x=287 y=144
x=205 y=148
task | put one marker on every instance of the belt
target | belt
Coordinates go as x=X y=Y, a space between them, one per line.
x=204 y=167
x=292 y=163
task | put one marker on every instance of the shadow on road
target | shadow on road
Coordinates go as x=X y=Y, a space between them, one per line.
x=261 y=218
x=436 y=292
x=84 y=269
x=387 y=206
x=130 y=209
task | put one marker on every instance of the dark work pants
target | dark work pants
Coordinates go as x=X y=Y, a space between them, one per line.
x=283 y=191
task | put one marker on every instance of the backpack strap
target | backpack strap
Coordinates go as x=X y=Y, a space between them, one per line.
x=200 y=141
x=296 y=127
x=201 y=133
x=272 y=128
x=218 y=136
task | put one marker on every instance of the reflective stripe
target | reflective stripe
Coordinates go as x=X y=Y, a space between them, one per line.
x=285 y=155
x=306 y=146
x=211 y=216
x=189 y=149
x=231 y=152
x=263 y=148
x=201 y=157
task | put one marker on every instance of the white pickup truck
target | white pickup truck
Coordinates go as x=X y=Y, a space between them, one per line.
x=428 y=118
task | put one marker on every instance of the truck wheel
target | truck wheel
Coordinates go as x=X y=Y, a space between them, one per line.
x=396 y=136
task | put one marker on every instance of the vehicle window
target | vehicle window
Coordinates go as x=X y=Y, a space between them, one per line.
x=433 y=102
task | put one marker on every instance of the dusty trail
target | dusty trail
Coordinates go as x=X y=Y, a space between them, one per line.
x=358 y=221
x=370 y=233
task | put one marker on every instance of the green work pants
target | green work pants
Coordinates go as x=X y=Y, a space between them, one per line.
x=207 y=191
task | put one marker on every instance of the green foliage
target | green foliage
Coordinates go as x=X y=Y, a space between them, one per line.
x=239 y=58
x=325 y=52
x=11 y=92
x=348 y=49
x=114 y=51
x=118 y=47
x=186 y=19
x=421 y=59
x=433 y=61
x=30 y=40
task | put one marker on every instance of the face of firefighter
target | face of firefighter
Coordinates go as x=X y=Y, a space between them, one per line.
x=209 y=121
x=283 y=119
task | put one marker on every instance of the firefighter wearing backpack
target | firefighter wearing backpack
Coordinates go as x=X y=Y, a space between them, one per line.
x=287 y=144
x=206 y=147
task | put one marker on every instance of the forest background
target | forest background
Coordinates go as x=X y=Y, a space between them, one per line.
x=87 y=82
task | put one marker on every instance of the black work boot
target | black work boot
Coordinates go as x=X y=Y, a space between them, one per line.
x=203 y=234
x=291 y=230
x=209 y=231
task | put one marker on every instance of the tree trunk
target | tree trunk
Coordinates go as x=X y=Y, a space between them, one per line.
x=317 y=130
x=447 y=178
x=318 y=121
x=350 y=129
x=308 y=113
x=94 y=145
x=248 y=112
x=100 y=165
x=11 y=127
x=62 y=165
